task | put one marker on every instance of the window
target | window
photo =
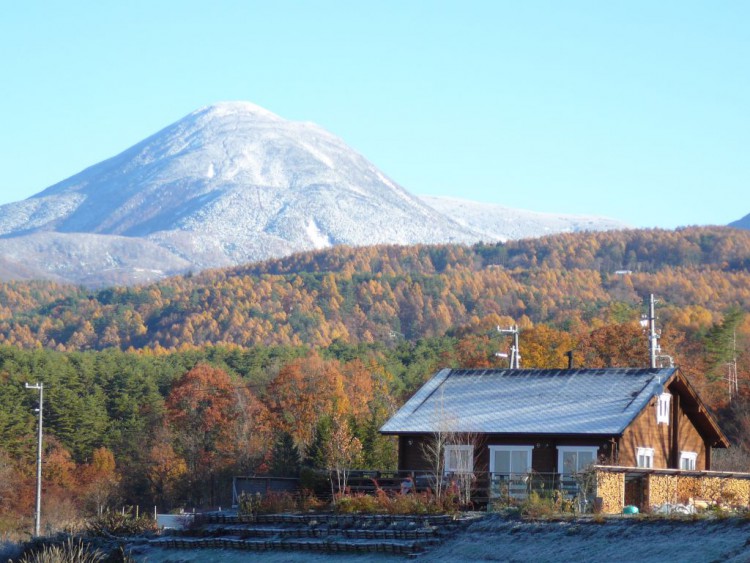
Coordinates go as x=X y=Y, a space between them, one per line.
x=509 y=469
x=662 y=408
x=510 y=460
x=459 y=459
x=687 y=460
x=572 y=459
x=645 y=457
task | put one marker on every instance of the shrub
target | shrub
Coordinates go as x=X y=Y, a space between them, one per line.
x=349 y=504
x=308 y=500
x=120 y=524
x=382 y=503
x=537 y=507
x=278 y=502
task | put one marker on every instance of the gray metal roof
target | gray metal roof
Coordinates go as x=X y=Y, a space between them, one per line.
x=529 y=401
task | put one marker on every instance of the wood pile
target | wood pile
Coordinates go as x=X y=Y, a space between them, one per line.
x=732 y=492
x=683 y=489
x=661 y=489
x=610 y=487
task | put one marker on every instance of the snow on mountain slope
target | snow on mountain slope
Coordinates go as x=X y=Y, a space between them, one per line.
x=498 y=223
x=232 y=183
x=228 y=184
x=89 y=259
x=234 y=168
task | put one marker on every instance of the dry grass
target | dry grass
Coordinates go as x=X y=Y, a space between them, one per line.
x=70 y=551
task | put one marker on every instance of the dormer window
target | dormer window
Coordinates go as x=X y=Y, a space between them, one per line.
x=662 y=408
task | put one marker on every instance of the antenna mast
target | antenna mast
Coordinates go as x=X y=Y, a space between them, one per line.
x=515 y=353
x=654 y=335
x=732 y=366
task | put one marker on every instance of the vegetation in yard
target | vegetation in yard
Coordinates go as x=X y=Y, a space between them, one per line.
x=111 y=524
x=278 y=502
x=383 y=503
x=70 y=550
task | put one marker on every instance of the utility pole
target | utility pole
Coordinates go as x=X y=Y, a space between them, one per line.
x=732 y=375
x=38 y=511
x=515 y=353
x=649 y=321
x=652 y=334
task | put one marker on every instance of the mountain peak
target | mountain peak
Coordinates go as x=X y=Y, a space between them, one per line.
x=228 y=184
x=236 y=108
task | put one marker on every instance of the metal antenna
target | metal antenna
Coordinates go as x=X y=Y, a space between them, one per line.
x=515 y=353
x=654 y=335
x=38 y=511
x=732 y=369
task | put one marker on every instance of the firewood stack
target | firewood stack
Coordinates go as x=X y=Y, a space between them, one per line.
x=610 y=487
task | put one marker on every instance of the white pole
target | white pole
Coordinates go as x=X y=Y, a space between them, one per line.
x=38 y=511
x=653 y=336
x=515 y=352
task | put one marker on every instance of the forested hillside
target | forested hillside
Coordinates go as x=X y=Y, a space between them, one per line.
x=158 y=394
x=376 y=293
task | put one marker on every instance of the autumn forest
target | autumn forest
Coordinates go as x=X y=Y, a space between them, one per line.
x=156 y=395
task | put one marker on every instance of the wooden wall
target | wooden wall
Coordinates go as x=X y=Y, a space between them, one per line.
x=411 y=449
x=667 y=440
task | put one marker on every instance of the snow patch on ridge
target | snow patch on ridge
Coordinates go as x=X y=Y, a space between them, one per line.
x=318 y=238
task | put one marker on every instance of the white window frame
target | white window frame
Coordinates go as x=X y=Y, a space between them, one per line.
x=662 y=408
x=691 y=458
x=516 y=488
x=562 y=449
x=522 y=448
x=458 y=448
x=648 y=454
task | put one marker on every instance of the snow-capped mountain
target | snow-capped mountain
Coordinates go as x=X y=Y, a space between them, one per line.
x=498 y=223
x=229 y=183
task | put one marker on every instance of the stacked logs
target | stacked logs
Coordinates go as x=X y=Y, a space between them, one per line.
x=685 y=489
x=610 y=487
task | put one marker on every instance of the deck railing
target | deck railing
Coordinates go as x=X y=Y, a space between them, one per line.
x=478 y=487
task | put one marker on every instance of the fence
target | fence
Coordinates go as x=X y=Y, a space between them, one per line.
x=472 y=488
x=611 y=487
x=478 y=487
x=262 y=485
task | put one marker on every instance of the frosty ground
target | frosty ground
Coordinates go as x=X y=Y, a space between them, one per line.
x=495 y=538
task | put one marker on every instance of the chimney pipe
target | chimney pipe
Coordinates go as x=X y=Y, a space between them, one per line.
x=569 y=355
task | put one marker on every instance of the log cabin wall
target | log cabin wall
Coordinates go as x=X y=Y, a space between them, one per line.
x=689 y=440
x=667 y=440
x=413 y=449
x=644 y=432
x=411 y=452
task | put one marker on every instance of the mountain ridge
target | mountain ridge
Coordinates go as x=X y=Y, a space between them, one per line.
x=228 y=184
x=370 y=294
x=743 y=223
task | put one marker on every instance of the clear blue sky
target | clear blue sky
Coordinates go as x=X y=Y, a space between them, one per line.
x=633 y=110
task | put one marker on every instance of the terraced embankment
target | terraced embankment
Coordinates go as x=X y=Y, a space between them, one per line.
x=322 y=533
